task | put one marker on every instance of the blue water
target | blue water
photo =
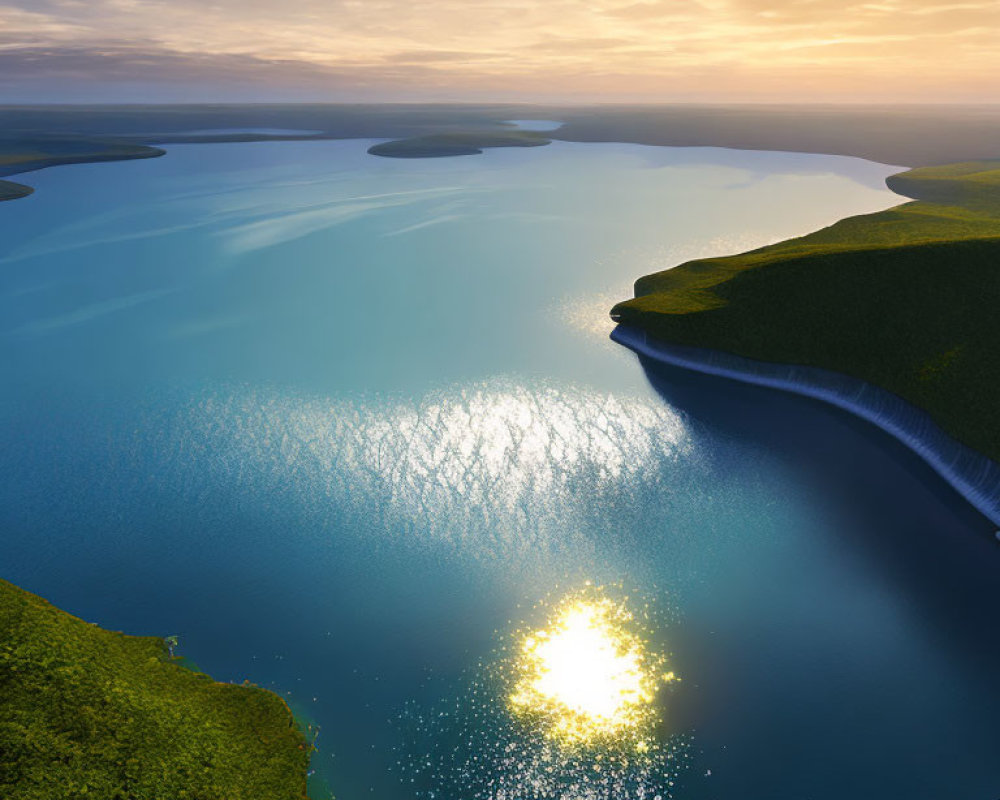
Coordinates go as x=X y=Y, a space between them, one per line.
x=339 y=422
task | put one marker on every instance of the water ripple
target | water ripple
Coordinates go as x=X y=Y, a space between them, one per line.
x=488 y=467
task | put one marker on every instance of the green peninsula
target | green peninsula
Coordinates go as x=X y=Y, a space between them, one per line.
x=28 y=152
x=905 y=299
x=86 y=712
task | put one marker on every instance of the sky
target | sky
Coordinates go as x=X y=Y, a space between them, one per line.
x=500 y=50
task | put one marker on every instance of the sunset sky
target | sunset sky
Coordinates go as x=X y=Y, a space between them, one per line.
x=551 y=50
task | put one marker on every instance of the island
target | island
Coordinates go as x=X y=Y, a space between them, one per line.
x=459 y=143
x=86 y=712
x=904 y=301
x=33 y=137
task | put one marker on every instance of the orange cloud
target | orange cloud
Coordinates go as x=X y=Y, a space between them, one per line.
x=551 y=49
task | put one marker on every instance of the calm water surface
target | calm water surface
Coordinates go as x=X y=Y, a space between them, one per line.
x=339 y=422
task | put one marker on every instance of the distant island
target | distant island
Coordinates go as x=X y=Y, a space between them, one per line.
x=86 y=712
x=470 y=143
x=34 y=137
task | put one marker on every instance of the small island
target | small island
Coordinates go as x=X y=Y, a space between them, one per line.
x=461 y=143
x=86 y=712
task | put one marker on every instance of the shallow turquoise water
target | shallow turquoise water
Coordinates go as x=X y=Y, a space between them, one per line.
x=337 y=421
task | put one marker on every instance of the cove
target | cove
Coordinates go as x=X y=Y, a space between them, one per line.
x=335 y=421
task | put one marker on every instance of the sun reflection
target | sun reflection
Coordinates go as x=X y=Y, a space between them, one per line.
x=499 y=470
x=563 y=709
x=589 y=676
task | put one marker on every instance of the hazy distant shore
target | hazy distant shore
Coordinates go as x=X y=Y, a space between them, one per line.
x=907 y=135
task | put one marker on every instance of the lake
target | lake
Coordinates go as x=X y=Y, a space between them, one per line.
x=342 y=423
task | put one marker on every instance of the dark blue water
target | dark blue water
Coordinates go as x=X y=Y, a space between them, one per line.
x=339 y=422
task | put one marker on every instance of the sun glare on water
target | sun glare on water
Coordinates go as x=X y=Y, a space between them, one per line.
x=566 y=707
x=588 y=675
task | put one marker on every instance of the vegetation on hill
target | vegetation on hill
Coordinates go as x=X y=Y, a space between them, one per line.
x=88 y=713
x=904 y=299
x=971 y=183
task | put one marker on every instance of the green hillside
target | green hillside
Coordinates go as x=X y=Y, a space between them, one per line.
x=904 y=299
x=87 y=713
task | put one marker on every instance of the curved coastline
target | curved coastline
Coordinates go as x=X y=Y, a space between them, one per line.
x=971 y=474
x=10 y=190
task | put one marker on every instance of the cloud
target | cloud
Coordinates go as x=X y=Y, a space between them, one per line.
x=443 y=56
x=467 y=49
x=427 y=223
x=88 y=313
x=655 y=10
x=269 y=232
x=149 y=62
x=274 y=230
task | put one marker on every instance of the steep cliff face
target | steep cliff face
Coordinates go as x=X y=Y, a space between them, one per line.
x=973 y=475
x=903 y=300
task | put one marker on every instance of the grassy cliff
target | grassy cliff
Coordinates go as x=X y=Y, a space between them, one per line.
x=904 y=299
x=85 y=712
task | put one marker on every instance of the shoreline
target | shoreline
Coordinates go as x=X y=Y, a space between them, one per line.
x=12 y=190
x=910 y=135
x=974 y=476
x=962 y=467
